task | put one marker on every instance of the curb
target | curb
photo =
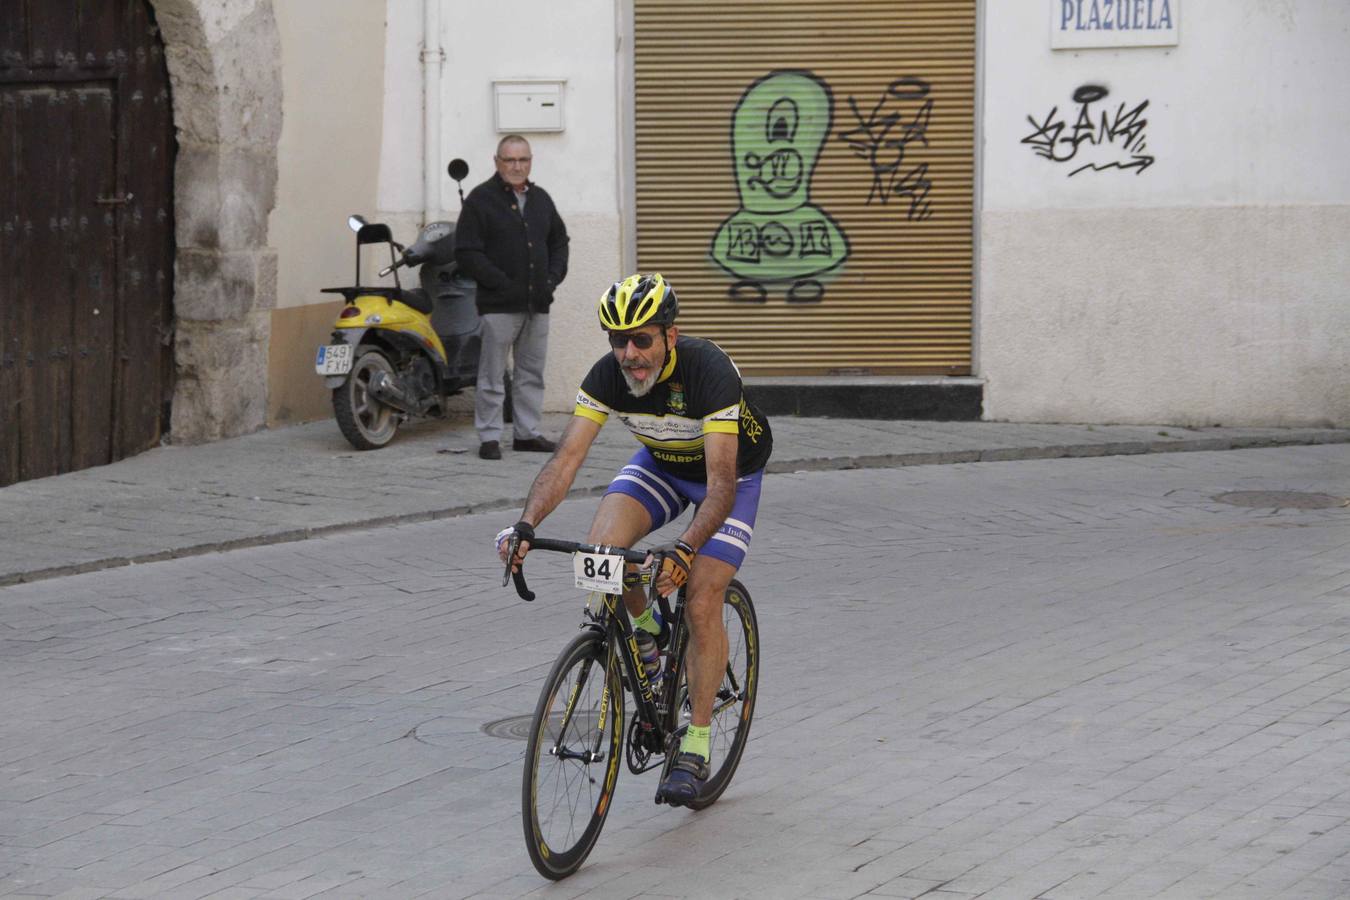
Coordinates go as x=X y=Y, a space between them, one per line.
x=288 y=536
x=1060 y=451
x=811 y=464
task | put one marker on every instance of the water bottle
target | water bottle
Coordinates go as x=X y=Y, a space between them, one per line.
x=651 y=656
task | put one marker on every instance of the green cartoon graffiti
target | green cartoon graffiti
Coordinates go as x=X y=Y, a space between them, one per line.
x=778 y=236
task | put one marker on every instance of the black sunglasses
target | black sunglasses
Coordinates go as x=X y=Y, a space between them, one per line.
x=641 y=339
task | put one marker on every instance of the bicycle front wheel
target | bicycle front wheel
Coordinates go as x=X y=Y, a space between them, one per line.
x=734 y=705
x=572 y=758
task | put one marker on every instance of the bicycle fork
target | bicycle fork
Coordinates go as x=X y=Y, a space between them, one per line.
x=593 y=754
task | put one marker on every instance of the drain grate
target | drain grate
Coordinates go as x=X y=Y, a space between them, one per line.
x=1282 y=500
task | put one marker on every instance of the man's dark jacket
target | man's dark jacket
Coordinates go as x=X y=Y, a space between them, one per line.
x=516 y=260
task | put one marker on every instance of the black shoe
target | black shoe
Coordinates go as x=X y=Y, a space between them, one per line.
x=489 y=450
x=685 y=781
x=534 y=444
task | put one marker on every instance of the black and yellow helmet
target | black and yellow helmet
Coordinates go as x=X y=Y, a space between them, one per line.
x=636 y=301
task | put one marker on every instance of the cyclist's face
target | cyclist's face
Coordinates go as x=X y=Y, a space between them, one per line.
x=640 y=367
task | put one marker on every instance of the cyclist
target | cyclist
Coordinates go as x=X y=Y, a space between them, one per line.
x=704 y=444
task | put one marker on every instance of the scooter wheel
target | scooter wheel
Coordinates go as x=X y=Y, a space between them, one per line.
x=364 y=421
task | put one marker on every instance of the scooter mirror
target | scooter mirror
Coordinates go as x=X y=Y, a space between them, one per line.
x=458 y=169
x=355 y=223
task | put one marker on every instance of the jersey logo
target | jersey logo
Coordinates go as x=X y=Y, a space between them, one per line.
x=675 y=402
x=586 y=401
x=749 y=424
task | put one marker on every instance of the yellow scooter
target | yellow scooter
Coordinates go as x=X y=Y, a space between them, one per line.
x=397 y=353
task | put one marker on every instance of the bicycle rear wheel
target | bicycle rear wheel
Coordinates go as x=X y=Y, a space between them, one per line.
x=572 y=757
x=734 y=706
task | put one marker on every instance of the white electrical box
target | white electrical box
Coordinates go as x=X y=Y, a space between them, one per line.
x=528 y=104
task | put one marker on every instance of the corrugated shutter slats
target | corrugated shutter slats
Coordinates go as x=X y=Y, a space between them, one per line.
x=901 y=301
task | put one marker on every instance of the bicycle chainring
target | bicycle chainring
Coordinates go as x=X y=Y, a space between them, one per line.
x=639 y=754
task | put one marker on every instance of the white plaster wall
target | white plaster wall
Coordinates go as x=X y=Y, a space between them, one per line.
x=329 y=151
x=1211 y=286
x=399 y=193
x=579 y=166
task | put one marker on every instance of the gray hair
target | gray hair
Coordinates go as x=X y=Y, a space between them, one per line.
x=510 y=139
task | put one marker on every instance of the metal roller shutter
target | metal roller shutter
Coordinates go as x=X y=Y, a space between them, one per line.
x=861 y=264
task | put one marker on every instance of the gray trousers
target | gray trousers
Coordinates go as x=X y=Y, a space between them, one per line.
x=525 y=335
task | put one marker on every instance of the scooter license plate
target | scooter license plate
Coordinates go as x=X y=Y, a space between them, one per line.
x=334 y=359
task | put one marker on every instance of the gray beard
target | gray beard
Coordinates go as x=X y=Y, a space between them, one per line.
x=640 y=388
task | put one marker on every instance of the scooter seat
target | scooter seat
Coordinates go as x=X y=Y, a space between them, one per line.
x=418 y=300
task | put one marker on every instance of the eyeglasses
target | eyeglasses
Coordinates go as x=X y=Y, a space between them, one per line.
x=515 y=160
x=642 y=340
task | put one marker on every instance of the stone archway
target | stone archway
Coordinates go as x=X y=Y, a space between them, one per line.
x=224 y=59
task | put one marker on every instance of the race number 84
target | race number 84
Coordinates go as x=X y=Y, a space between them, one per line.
x=598 y=572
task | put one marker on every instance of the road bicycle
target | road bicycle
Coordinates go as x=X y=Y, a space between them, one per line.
x=577 y=737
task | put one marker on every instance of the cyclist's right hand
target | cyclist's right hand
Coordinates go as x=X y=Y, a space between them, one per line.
x=522 y=530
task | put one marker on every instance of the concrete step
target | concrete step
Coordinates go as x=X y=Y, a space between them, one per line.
x=933 y=399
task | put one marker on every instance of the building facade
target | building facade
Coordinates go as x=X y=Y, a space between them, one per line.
x=1104 y=212
x=1099 y=211
x=1163 y=229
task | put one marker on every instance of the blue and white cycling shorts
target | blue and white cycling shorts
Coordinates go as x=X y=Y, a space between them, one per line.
x=664 y=497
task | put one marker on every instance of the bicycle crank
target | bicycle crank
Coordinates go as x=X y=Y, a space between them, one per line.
x=640 y=751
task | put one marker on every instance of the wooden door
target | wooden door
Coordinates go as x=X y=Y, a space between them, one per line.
x=86 y=234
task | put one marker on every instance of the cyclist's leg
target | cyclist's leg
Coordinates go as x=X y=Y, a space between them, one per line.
x=622 y=521
x=715 y=565
x=706 y=657
x=639 y=500
x=706 y=660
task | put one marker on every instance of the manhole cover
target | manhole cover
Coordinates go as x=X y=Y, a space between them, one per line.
x=1282 y=500
x=517 y=728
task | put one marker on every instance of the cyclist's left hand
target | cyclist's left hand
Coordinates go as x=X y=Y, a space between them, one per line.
x=676 y=559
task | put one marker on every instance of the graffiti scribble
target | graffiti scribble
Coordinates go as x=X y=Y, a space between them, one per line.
x=778 y=237
x=1113 y=141
x=882 y=137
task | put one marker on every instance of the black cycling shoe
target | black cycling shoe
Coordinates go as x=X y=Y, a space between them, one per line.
x=685 y=781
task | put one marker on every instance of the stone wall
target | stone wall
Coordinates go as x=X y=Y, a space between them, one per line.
x=224 y=61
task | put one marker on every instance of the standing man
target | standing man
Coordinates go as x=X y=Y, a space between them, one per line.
x=511 y=240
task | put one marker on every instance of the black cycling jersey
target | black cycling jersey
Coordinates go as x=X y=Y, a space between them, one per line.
x=699 y=391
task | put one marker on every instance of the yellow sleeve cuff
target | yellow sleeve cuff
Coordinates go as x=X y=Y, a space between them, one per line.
x=594 y=415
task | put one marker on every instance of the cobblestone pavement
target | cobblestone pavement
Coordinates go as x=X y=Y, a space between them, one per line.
x=293 y=483
x=1091 y=677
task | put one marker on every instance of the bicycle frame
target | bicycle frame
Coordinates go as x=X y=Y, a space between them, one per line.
x=617 y=631
x=580 y=729
x=655 y=730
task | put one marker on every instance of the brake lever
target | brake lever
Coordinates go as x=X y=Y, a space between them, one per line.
x=512 y=544
x=518 y=576
x=652 y=593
